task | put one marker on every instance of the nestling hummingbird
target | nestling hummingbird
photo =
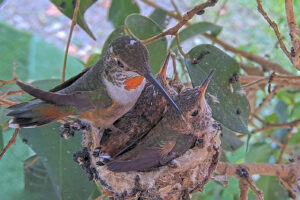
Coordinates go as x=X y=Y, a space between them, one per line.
x=100 y=94
x=171 y=137
x=148 y=110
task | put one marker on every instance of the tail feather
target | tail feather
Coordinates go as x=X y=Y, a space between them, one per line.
x=34 y=113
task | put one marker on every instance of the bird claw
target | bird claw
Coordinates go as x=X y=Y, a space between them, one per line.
x=68 y=129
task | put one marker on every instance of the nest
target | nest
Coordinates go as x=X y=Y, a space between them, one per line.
x=177 y=180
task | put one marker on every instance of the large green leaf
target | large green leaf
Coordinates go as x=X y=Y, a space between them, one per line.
x=197 y=29
x=67 y=178
x=271 y=188
x=67 y=7
x=36 y=59
x=1 y=139
x=229 y=141
x=233 y=108
x=12 y=169
x=159 y=16
x=37 y=181
x=112 y=36
x=119 y=10
x=143 y=28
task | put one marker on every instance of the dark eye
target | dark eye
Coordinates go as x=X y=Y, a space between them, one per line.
x=120 y=64
x=195 y=113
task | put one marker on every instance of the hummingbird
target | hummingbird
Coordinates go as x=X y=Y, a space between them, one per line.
x=171 y=137
x=148 y=110
x=99 y=95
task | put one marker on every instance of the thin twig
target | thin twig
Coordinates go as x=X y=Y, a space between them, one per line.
x=10 y=142
x=281 y=125
x=186 y=17
x=154 y=5
x=286 y=141
x=179 y=46
x=275 y=29
x=266 y=64
x=176 y=9
x=69 y=39
x=244 y=187
x=32 y=162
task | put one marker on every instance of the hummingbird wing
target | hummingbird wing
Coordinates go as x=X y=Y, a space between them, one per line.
x=70 y=81
x=158 y=148
x=82 y=100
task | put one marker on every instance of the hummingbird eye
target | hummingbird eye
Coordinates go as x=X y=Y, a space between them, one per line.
x=195 y=113
x=120 y=64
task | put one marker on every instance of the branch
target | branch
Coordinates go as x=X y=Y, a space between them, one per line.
x=275 y=28
x=294 y=33
x=266 y=64
x=69 y=39
x=11 y=141
x=286 y=141
x=280 y=80
x=282 y=125
x=186 y=17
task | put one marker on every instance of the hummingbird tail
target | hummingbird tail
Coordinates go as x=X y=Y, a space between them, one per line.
x=33 y=113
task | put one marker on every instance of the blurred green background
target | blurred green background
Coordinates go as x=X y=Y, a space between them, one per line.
x=34 y=34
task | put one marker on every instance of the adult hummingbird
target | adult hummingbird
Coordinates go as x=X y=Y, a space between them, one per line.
x=148 y=110
x=100 y=94
x=171 y=137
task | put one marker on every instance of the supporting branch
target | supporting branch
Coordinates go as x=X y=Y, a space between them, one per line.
x=282 y=125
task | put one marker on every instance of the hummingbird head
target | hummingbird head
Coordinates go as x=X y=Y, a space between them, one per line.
x=130 y=55
x=194 y=107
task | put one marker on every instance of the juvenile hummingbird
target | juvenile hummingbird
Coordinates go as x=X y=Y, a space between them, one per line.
x=100 y=94
x=148 y=110
x=171 y=137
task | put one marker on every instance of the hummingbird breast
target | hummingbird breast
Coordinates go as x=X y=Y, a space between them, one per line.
x=118 y=90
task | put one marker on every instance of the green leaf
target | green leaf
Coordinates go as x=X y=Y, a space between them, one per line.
x=67 y=7
x=233 y=108
x=118 y=32
x=1 y=139
x=197 y=29
x=119 y=10
x=11 y=167
x=271 y=188
x=229 y=141
x=259 y=152
x=37 y=181
x=34 y=57
x=93 y=59
x=159 y=16
x=68 y=179
x=143 y=28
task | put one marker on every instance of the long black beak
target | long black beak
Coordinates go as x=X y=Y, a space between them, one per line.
x=152 y=80
x=203 y=86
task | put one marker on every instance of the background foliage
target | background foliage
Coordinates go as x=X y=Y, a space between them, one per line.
x=56 y=176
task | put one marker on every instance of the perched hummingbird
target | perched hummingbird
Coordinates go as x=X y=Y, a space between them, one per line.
x=148 y=110
x=100 y=94
x=171 y=137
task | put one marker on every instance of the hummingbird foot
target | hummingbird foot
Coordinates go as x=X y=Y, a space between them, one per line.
x=66 y=131
x=103 y=159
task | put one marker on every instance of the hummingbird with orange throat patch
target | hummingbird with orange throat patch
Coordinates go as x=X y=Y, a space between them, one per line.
x=99 y=95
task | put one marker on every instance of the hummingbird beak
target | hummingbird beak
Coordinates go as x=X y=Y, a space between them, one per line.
x=202 y=88
x=163 y=71
x=152 y=80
